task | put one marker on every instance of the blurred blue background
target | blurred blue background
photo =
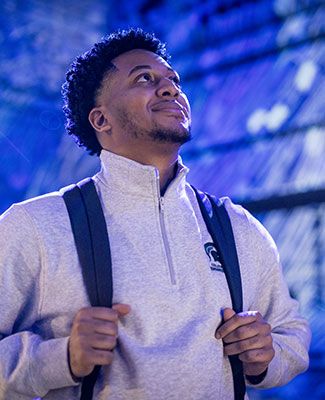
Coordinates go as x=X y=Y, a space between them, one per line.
x=254 y=74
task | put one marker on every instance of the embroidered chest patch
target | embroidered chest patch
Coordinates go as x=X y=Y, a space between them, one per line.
x=214 y=257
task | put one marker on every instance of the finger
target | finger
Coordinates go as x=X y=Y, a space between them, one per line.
x=102 y=342
x=102 y=313
x=228 y=313
x=254 y=343
x=257 y=355
x=257 y=328
x=235 y=322
x=100 y=357
x=105 y=327
x=122 y=309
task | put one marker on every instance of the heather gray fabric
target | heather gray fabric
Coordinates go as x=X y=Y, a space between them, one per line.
x=166 y=347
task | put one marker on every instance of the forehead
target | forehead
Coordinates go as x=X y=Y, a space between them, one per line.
x=127 y=61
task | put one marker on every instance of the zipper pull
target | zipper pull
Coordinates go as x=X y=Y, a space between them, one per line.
x=161 y=203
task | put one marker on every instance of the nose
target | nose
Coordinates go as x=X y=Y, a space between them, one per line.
x=168 y=88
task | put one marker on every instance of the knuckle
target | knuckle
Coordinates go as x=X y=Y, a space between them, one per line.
x=227 y=340
x=269 y=354
x=106 y=327
x=243 y=331
x=262 y=355
x=106 y=341
x=237 y=318
x=98 y=324
x=113 y=315
x=241 y=346
x=248 y=356
x=254 y=355
x=260 y=329
x=113 y=328
x=247 y=344
x=239 y=333
x=82 y=312
x=112 y=342
x=254 y=340
x=272 y=353
x=230 y=349
x=78 y=326
x=107 y=357
x=269 y=340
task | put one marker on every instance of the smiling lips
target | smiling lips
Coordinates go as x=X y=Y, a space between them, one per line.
x=170 y=107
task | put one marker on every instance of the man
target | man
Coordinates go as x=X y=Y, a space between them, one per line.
x=171 y=327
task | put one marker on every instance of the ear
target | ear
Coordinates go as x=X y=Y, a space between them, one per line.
x=98 y=120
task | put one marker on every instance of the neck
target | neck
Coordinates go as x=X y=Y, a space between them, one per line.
x=164 y=159
x=167 y=171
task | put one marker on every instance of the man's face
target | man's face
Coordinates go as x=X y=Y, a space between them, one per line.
x=143 y=101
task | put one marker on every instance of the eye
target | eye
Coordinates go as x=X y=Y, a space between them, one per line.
x=146 y=77
x=176 y=80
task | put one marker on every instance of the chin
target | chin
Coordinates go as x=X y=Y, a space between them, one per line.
x=171 y=135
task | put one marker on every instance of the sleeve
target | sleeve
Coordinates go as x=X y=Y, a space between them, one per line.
x=29 y=365
x=290 y=332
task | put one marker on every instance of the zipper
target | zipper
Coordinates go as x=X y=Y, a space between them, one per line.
x=164 y=235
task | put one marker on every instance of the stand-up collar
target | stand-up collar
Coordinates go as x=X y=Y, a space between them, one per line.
x=131 y=177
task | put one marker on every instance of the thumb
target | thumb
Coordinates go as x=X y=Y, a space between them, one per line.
x=228 y=313
x=122 y=309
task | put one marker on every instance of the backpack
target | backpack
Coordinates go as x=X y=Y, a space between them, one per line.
x=92 y=244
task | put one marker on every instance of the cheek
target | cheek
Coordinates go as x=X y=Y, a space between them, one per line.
x=187 y=104
x=136 y=105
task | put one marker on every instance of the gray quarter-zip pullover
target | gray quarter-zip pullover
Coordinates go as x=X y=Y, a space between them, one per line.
x=166 y=347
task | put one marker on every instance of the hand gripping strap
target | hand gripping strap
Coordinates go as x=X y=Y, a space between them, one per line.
x=92 y=244
x=219 y=226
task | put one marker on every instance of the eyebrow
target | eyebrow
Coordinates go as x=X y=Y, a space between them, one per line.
x=137 y=67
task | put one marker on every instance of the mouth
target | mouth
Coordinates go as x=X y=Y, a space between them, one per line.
x=170 y=107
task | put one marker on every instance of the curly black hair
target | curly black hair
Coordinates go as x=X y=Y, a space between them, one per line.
x=85 y=76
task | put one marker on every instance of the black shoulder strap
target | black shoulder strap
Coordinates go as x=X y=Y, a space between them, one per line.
x=219 y=226
x=92 y=243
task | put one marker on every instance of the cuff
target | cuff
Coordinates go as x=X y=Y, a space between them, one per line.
x=256 y=379
x=272 y=375
x=51 y=362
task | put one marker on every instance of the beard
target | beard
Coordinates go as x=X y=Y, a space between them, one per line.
x=163 y=135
